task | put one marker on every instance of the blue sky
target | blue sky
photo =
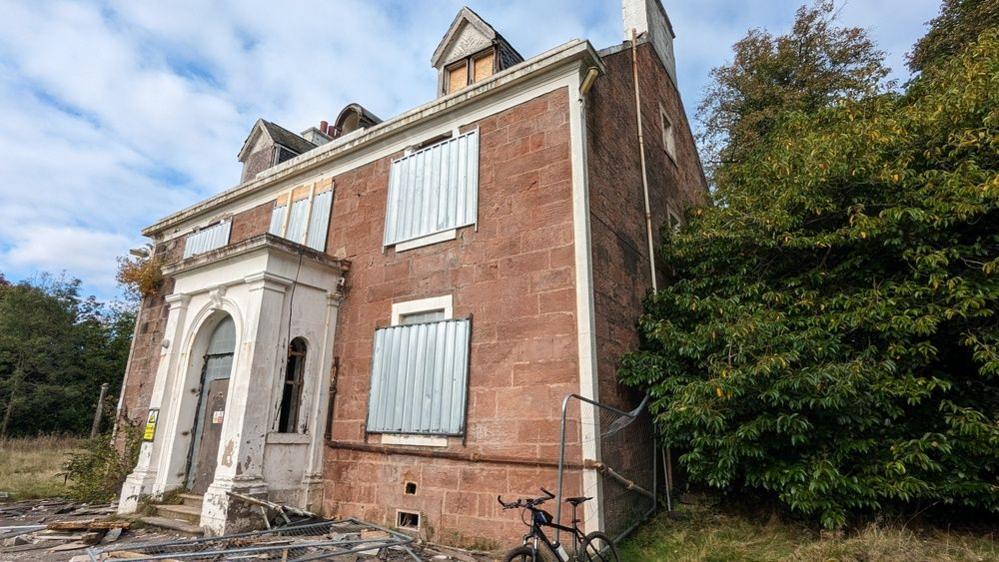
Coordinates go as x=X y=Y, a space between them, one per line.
x=113 y=114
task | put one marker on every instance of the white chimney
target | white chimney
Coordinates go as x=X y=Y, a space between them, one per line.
x=649 y=17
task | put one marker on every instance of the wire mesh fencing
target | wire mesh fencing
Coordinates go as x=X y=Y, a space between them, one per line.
x=626 y=463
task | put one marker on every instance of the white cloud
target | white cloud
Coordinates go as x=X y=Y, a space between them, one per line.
x=113 y=114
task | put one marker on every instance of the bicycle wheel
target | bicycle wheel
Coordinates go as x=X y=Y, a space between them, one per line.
x=597 y=547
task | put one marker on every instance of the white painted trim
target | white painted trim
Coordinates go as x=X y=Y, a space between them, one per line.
x=275 y=437
x=586 y=339
x=444 y=302
x=414 y=440
x=427 y=240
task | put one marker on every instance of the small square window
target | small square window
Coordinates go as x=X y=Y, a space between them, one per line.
x=457 y=76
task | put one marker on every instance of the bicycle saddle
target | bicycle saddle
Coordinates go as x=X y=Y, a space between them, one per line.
x=577 y=500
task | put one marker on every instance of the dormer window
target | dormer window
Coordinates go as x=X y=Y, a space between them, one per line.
x=470 y=52
x=470 y=70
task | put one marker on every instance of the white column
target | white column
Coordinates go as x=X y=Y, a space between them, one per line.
x=312 y=477
x=244 y=429
x=140 y=481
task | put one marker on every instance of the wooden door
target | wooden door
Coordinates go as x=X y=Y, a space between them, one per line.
x=209 y=435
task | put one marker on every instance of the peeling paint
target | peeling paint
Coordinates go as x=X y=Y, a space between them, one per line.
x=227 y=456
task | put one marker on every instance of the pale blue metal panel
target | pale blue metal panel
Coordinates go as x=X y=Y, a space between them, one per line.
x=207 y=239
x=419 y=378
x=296 y=222
x=277 y=219
x=319 y=220
x=433 y=189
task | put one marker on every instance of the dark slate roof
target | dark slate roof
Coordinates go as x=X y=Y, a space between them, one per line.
x=286 y=138
x=279 y=135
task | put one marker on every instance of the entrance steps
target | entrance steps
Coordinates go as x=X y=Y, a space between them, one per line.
x=184 y=517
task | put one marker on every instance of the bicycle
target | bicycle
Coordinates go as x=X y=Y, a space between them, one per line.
x=592 y=547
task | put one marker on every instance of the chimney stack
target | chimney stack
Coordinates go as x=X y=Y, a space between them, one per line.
x=649 y=17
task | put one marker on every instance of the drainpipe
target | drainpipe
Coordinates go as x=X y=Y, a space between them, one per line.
x=648 y=210
x=641 y=153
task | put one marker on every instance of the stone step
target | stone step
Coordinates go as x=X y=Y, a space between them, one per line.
x=186 y=513
x=172 y=524
x=193 y=500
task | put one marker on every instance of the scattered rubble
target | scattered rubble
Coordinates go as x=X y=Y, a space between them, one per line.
x=71 y=532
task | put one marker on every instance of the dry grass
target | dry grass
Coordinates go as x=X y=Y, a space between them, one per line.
x=702 y=534
x=30 y=467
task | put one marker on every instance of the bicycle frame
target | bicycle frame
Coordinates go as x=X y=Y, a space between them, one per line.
x=537 y=534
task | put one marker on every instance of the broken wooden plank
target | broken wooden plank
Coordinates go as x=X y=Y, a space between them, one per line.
x=76 y=545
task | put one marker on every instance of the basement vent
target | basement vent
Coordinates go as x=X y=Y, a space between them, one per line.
x=407 y=520
x=410 y=488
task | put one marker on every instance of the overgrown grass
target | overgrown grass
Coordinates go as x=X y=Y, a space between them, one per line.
x=700 y=532
x=32 y=467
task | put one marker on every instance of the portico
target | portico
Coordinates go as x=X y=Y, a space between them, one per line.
x=232 y=407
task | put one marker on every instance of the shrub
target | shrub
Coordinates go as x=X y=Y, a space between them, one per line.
x=829 y=333
x=97 y=472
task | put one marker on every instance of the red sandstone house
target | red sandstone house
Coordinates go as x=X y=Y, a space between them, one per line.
x=383 y=318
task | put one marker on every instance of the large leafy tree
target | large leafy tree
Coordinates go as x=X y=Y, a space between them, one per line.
x=56 y=349
x=810 y=67
x=958 y=25
x=830 y=333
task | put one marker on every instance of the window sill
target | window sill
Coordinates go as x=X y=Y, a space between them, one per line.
x=427 y=240
x=278 y=438
x=414 y=440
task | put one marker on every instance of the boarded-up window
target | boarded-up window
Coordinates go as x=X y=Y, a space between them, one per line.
x=669 y=136
x=433 y=190
x=457 y=77
x=483 y=66
x=419 y=378
x=207 y=239
x=309 y=216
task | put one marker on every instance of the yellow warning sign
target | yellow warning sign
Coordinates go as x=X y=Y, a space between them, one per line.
x=150 y=430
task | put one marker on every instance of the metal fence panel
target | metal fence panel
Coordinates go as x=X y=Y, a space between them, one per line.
x=207 y=239
x=433 y=190
x=419 y=378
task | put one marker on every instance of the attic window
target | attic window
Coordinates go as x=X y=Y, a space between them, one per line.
x=470 y=70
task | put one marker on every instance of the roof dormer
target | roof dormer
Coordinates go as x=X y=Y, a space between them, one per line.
x=470 y=52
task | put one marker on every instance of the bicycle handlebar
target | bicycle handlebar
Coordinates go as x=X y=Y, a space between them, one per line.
x=526 y=502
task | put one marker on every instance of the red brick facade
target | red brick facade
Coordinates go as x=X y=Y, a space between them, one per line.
x=618 y=231
x=514 y=275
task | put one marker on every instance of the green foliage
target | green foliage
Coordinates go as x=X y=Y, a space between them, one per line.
x=56 y=349
x=97 y=472
x=812 y=66
x=959 y=23
x=829 y=333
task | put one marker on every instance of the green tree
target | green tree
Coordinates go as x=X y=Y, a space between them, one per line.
x=56 y=349
x=814 y=65
x=830 y=333
x=959 y=24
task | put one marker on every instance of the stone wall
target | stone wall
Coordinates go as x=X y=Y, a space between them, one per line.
x=514 y=274
x=618 y=231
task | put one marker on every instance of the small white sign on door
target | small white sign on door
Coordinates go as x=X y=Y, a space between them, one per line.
x=218 y=416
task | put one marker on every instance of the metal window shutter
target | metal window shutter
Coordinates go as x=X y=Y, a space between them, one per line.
x=207 y=239
x=419 y=378
x=296 y=222
x=319 y=221
x=433 y=190
x=277 y=219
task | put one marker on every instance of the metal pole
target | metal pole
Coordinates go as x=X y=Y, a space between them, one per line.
x=98 y=411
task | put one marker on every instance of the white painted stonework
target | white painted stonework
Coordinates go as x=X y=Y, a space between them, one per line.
x=272 y=289
x=649 y=16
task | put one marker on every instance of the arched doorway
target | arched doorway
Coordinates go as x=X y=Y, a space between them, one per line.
x=215 y=371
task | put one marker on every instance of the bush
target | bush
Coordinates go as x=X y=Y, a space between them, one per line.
x=97 y=472
x=830 y=333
